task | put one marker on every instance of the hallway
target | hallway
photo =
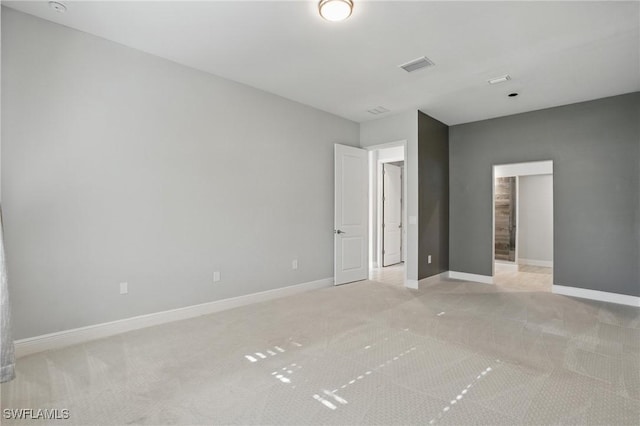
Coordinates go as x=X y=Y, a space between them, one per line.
x=393 y=274
x=525 y=278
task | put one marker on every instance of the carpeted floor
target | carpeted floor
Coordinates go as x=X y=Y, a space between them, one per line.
x=364 y=353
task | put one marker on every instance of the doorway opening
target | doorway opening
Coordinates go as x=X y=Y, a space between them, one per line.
x=388 y=213
x=523 y=226
x=392 y=202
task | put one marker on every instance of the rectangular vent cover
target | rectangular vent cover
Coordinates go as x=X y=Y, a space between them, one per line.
x=378 y=110
x=417 y=64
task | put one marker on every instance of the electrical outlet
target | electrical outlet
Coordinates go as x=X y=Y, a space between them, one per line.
x=294 y=264
x=124 y=288
x=216 y=276
x=429 y=259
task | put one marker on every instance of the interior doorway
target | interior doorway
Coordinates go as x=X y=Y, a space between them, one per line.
x=388 y=213
x=391 y=230
x=523 y=226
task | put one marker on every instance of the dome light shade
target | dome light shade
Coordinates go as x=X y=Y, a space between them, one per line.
x=335 y=10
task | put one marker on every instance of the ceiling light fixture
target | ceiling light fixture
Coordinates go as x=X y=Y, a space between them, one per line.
x=57 y=6
x=335 y=10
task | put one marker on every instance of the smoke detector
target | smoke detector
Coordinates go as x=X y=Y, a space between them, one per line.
x=377 y=110
x=416 y=64
x=57 y=6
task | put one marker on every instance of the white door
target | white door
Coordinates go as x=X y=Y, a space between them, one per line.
x=391 y=215
x=351 y=214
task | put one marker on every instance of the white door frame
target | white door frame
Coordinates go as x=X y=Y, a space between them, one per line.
x=375 y=175
x=516 y=170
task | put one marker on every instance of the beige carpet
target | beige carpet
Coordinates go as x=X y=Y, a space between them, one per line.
x=363 y=353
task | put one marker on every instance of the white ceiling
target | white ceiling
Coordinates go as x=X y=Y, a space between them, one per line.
x=556 y=52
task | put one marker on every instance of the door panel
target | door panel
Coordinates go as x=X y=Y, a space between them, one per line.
x=351 y=239
x=351 y=258
x=392 y=215
x=352 y=196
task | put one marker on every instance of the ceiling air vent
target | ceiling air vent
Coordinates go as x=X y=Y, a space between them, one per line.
x=417 y=64
x=378 y=110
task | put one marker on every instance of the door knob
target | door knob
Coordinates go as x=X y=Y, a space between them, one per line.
x=338 y=231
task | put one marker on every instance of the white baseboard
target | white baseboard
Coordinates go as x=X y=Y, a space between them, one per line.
x=603 y=296
x=484 y=279
x=510 y=266
x=413 y=284
x=533 y=262
x=74 y=336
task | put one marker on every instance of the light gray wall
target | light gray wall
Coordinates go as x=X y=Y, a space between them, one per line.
x=393 y=154
x=535 y=217
x=121 y=166
x=595 y=148
x=1 y=9
x=394 y=128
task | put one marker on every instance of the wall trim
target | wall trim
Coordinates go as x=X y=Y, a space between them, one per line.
x=74 y=336
x=524 y=169
x=512 y=266
x=484 y=279
x=603 y=296
x=533 y=262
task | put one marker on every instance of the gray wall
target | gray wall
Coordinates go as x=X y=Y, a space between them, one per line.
x=121 y=166
x=595 y=147
x=535 y=217
x=433 y=180
x=394 y=128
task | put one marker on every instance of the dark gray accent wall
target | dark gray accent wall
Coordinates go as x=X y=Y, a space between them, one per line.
x=433 y=187
x=595 y=148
